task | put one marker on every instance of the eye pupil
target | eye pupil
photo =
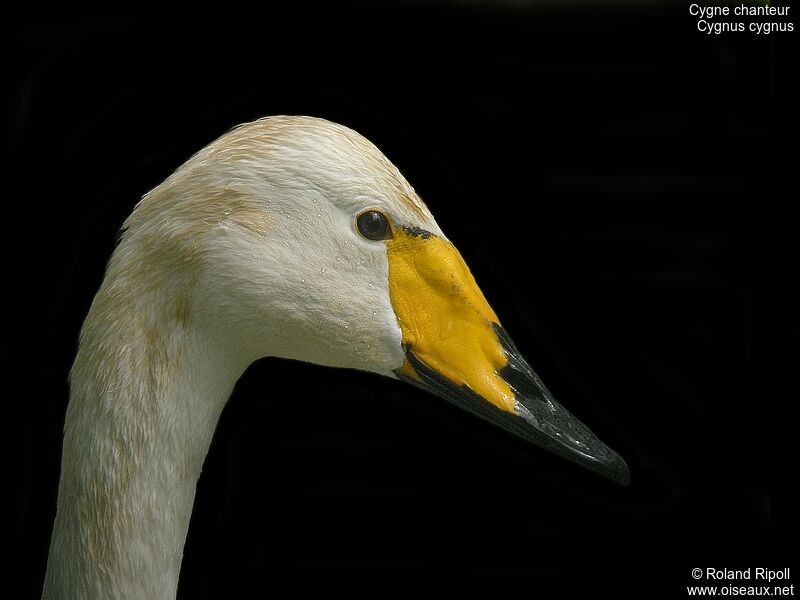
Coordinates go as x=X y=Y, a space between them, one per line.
x=373 y=225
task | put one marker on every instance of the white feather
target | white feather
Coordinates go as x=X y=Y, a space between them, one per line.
x=248 y=250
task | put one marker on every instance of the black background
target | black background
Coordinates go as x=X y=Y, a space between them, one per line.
x=627 y=169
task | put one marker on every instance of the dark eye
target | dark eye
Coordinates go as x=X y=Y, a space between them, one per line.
x=373 y=225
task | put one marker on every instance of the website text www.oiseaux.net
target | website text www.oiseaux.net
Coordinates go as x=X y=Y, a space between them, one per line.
x=746 y=582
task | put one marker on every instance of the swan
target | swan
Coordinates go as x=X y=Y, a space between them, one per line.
x=291 y=237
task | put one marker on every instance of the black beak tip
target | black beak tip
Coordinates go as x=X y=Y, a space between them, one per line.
x=540 y=419
x=617 y=470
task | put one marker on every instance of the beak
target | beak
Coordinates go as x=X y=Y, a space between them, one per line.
x=537 y=416
x=456 y=349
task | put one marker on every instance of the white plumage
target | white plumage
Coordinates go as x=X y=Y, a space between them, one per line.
x=249 y=249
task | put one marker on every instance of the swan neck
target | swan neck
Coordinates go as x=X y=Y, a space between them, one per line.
x=146 y=391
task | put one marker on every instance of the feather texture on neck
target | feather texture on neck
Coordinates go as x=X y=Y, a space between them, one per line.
x=147 y=388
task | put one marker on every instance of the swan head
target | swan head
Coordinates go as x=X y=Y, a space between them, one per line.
x=295 y=237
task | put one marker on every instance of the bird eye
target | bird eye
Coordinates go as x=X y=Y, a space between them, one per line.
x=373 y=225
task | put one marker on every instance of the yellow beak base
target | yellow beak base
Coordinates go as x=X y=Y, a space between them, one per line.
x=444 y=317
x=456 y=348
